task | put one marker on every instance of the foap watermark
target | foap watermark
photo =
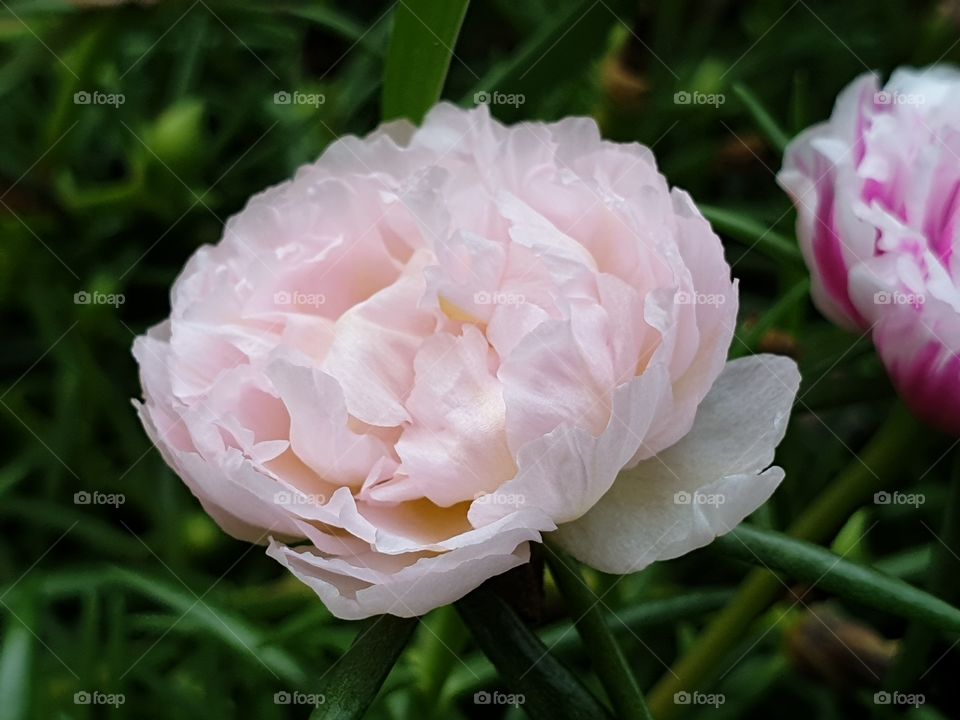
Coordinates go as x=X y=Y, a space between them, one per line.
x=295 y=498
x=886 y=297
x=699 y=698
x=498 y=298
x=684 y=297
x=96 y=97
x=96 y=697
x=284 y=697
x=99 y=498
x=511 y=499
x=682 y=497
x=96 y=297
x=899 y=498
x=896 y=697
x=895 y=97
x=495 y=97
x=684 y=97
x=295 y=298
x=482 y=697
x=314 y=100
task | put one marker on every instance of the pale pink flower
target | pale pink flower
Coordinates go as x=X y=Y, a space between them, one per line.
x=434 y=345
x=877 y=190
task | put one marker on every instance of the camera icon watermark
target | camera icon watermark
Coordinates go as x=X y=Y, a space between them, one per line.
x=482 y=697
x=682 y=497
x=83 y=297
x=508 y=499
x=295 y=498
x=95 y=697
x=284 y=97
x=684 y=97
x=96 y=97
x=886 y=297
x=684 y=297
x=899 y=498
x=914 y=700
x=83 y=497
x=696 y=697
x=285 y=697
x=495 y=97
x=295 y=298
x=895 y=97
x=498 y=298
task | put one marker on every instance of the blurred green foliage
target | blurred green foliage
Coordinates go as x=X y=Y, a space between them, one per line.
x=133 y=130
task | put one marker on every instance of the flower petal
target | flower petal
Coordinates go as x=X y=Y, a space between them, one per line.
x=701 y=487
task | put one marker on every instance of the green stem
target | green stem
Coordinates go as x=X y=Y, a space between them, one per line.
x=892 y=443
x=606 y=656
x=940 y=581
x=351 y=685
x=770 y=127
x=545 y=687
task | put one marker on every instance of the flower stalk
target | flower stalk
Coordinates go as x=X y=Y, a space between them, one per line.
x=587 y=611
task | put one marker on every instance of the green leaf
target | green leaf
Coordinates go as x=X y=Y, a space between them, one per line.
x=323 y=15
x=352 y=683
x=475 y=672
x=424 y=34
x=234 y=631
x=747 y=230
x=768 y=126
x=651 y=614
x=100 y=535
x=811 y=563
x=550 y=691
x=16 y=664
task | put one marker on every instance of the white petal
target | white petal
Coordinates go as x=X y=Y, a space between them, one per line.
x=701 y=487
x=358 y=586
x=565 y=472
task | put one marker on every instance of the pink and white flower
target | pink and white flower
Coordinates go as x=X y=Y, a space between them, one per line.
x=434 y=345
x=877 y=190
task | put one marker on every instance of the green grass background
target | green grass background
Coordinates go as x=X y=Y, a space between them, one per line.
x=150 y=599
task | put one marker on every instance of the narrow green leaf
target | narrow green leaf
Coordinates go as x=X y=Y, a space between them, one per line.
x=476 y=671
x=324 y=15
x=768 y=126
x=908 y=564
x=811 y=563
x=550 y=691
x=652 y=614
x=424 y=35
x=352 y=683
x=16 y=664
x=606 y=655
x=89 y=528
x=234 y=631
x=755 y=234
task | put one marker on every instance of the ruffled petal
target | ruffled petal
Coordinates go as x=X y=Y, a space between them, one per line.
x=701 y=487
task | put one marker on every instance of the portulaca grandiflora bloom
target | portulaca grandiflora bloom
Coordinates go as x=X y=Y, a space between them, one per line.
x=434 y=346
x=877 y=190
